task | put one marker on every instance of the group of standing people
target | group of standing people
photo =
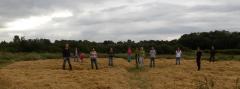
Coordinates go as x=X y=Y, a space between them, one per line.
x=139 y=57
x=199 y=56
x=78 y=55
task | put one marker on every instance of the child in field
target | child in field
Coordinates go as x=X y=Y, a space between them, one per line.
x=178 y=56
x=129 y=54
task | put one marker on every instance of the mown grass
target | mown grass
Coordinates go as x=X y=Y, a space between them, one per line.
x=237 y=83
x=207 y=83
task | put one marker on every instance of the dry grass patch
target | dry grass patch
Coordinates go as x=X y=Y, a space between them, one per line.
x=47 y=74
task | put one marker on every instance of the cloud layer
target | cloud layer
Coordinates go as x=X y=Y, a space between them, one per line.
x=99 y=20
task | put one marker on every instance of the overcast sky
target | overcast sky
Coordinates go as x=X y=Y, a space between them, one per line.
x=98 y=20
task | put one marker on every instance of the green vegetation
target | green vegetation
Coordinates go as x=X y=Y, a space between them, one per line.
x=7 y=57
x=224 y=41
x=227 y=46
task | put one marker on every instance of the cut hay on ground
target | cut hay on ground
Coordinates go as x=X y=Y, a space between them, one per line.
x=47 y=74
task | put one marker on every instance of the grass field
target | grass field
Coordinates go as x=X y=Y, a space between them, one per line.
x=47 y=74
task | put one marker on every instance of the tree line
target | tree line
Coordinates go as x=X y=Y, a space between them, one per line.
x=220 y=39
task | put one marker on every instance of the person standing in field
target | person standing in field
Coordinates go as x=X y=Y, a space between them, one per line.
x=66 y=57
x=129 y=54
x=212 y=54
x=152 y=57
x=198 y=58
x=93 y=55
x=76 y=55
x=110 y=56
x=81 y=57
x=178 y=56
x=137 y=57
x=141 y=57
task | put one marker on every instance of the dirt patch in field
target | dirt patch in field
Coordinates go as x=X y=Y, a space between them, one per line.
x=47 y=74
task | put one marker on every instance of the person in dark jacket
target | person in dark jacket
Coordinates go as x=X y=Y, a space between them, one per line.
x=110 y=56
x=137 y=57
x=212 y=54
x=66 y=57
x=198 y=58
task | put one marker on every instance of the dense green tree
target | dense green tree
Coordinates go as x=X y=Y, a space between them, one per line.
x=220 y=39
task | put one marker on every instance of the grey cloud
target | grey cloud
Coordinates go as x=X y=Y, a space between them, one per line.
x=125 y=20
x=222 y=8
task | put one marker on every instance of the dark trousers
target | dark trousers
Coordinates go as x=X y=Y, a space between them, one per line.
x=152 y=62
x=67 y=60
x=137 y=60
x=178 y=60
x=212 y=58
x=110 y=61
x=94 y=62
x=199 y=63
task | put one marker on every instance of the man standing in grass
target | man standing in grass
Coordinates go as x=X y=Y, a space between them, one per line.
x=129 y=54
x=66 y=56
x=137 y=57
x=93 y=55
x=110 y=56
x=141 y=57
x=178 y=56
x=152 y=57
x=198 y=58
x=212 y=54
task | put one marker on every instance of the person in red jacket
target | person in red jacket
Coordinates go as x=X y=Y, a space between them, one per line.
x=81 y=57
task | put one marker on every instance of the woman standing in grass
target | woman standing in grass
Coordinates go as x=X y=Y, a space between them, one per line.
x=178 y=56
x=93 y=55
x=110 y=56
x=141 y=57
x=198 y=58
x=76 y=55
x=129 y=54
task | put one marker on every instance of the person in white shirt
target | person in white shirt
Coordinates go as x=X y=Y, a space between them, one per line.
x=178 y=56
x=152 y=57
x=93 y=55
